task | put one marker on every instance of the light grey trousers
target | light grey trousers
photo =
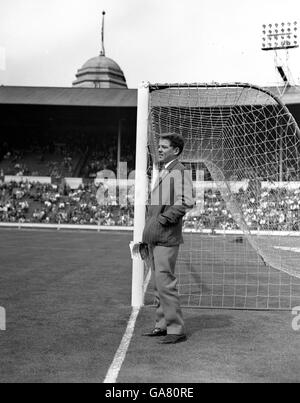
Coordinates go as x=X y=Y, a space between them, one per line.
x=168 y=310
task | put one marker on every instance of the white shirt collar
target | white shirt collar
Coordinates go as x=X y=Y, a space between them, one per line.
x=169 y=163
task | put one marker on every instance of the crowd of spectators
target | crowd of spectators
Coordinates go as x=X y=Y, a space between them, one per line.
x=99 y=161
x=54 y=160
x=275 y=209
x=104 y=157
x=58 y=204
x=58 y=156
x=269 y=210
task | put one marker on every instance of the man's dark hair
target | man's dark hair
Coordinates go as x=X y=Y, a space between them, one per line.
x=176 y=140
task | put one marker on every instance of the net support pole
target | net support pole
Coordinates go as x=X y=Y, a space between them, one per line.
x=119 y=145
x=141 y=189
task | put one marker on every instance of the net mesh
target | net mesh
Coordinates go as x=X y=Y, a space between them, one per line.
x=242 y=243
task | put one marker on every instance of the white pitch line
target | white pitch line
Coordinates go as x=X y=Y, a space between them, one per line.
x=114 y=369
x=288 y=248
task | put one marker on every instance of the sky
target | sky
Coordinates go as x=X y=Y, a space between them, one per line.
x=45 y=42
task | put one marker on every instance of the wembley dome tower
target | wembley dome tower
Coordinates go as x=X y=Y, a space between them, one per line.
x=100 y=71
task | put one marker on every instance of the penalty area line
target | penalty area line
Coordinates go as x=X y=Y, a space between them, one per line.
x=288 y=248
x=115 y=367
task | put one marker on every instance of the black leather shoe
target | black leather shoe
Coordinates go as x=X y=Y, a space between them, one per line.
x=173 y=339
x=157 y=332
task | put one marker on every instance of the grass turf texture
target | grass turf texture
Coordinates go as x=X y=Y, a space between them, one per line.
x=227 y=346
x=67 y=296
x=225 y=271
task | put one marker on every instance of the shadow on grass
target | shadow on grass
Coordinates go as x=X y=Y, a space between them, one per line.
x=195 y=324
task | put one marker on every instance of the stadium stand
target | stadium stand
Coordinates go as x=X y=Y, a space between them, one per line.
x=44 y=156
x=62 y=156
x=49 y=203
x=274 y=209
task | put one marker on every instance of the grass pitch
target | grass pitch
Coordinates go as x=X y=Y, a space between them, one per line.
x=228 y=346
x=226 y=271
x=67 y=298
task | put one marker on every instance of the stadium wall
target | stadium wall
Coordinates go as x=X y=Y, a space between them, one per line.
x=30 y=179
x=72 y=227
x=99 y=228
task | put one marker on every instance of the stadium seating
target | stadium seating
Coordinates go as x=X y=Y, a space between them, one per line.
x=274 y=209
x=49 y=203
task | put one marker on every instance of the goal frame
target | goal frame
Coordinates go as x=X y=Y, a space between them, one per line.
x=137 y=296
x=141 y=180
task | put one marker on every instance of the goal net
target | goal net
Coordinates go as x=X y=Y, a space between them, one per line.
x=242 y=240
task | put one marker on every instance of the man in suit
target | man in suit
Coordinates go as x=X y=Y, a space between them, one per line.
x=171 y=197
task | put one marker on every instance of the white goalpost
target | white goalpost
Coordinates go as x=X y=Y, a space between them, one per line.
x=140 y=191
x=241 y=245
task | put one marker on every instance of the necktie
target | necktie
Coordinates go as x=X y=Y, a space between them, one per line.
x=160 y=175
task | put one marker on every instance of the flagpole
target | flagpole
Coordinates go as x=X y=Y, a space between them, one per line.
x=102 y=53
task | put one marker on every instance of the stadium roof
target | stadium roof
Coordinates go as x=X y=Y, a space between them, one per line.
x=291 y=94
x=111 y=97
x=55 y=96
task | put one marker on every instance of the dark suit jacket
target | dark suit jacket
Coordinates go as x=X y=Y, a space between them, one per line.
x=171 y=197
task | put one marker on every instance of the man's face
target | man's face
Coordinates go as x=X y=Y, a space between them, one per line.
x=166 y=152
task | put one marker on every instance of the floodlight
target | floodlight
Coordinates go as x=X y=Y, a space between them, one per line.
x=272 y=34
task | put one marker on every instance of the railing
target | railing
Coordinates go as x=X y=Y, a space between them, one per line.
x=58 y=227
x=104 y=228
